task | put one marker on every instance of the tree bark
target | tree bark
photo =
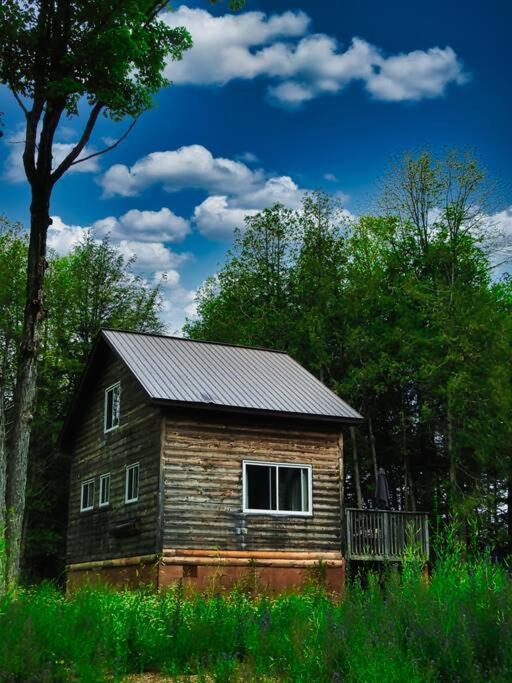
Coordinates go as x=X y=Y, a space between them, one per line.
x=452 y=467
x=357 y=478
x=26 y=378
x=3 y=476
x=373 y=450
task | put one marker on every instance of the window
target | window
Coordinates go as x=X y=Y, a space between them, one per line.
x=87 y=495
x=277 y=488
x=132 y=484
x=104 y=490
x=112 y=405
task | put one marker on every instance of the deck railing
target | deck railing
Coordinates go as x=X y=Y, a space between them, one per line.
x=385 y=534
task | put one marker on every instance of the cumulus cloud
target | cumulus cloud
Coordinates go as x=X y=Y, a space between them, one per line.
x=15 y=173
x=234 y=191
x=62 y=237
x=191 y=166
x=151 y=255
x=301 y=65
x=217 y=218
x=144 y=226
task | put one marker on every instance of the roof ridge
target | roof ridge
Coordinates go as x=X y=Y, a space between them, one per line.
x=187 y=339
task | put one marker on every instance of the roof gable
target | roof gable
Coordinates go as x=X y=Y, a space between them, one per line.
x=209 y=375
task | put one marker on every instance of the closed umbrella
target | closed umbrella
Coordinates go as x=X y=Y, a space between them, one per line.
x=382 y=496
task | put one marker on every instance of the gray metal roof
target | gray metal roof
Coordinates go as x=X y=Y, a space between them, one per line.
x=187 y=371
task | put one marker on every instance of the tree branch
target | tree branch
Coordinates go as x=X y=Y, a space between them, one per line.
x=110 y=147
x=18 y=100
x=78 y=148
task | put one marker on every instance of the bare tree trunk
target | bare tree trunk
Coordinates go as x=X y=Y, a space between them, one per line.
x=357 y=478
x=26 y=379
x=409 y=497
x=374 y=451
x=3 y=476
x=509 y=513
x=452 y=467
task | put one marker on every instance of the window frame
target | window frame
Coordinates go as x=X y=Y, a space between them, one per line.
x=127 y=500
x=102 y=477
x=106 y=429
x=84 y=483
x=277 y=465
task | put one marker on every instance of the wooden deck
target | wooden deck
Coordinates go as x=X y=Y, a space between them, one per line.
x=385 y=534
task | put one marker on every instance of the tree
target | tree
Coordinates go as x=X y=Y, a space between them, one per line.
x=57 y=56
x=13 y=250
x=91 y=287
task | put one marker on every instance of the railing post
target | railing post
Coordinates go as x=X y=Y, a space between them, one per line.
x=387 y=532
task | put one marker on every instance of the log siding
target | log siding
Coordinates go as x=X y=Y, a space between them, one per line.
x=202 y=480
x=99 y=534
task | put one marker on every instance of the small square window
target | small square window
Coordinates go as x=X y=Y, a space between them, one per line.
x=112 y=406
x=132 y=484
x=87 y=495
x=104 y=490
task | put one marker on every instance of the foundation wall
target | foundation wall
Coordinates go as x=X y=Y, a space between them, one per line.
x=207 y=570
x=133 y=576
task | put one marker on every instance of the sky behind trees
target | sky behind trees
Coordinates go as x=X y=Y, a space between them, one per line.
x=285 y=97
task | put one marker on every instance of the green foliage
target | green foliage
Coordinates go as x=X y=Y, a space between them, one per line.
x=91 y=287
x=397 y=313
x=111 y=53
x=455 y=627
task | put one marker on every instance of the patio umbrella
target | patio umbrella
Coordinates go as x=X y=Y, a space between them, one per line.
x=382 y=496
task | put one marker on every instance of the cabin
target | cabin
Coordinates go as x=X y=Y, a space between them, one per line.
x=202 y=462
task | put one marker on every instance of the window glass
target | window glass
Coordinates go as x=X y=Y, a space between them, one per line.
x=277 y=488
x=112 y=407
x=104 y=489
x=293 y=489
x=87 y=495
x=261 y=489
x=132 y=483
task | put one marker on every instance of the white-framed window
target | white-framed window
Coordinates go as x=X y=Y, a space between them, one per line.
x=112 y=406
x=87 y=495
x=277 y=488
x=104 y=490
x=131 y=489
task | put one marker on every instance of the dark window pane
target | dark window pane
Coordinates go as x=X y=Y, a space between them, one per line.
x=293 y=489
x=135 y=491
x=261 y=487
x=110 y=405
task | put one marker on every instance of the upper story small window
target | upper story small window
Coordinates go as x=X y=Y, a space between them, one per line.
x=112 y=406
x=87 y=495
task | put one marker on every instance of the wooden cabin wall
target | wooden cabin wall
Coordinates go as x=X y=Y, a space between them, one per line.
x=91 y=535
x=202 y=462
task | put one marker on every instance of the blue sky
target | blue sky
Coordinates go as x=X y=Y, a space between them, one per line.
x=285 y=97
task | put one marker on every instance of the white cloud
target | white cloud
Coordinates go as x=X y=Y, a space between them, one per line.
x=330 y=177
x=216 y=218
x=151 y=255
x=144 y=226
x=62 y=238
x=218 y=215
x=301 y=65
x=15 y=173
x=234 y=192
x=417 y=75
x=192 y=166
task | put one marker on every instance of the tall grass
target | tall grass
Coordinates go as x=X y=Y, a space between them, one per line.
x=455 y=627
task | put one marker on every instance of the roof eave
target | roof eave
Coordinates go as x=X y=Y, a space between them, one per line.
x=260 y=412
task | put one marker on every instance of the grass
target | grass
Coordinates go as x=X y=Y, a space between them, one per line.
x=457 y=627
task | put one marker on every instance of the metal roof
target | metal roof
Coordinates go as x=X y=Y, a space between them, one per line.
x=182 y=370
